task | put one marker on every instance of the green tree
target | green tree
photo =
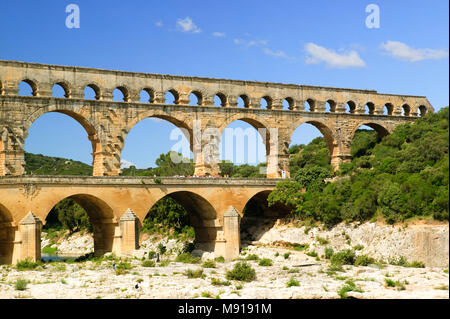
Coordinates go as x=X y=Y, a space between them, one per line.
x=287 y=193
x=72 y=216
x=312 y=178
x=166 y=212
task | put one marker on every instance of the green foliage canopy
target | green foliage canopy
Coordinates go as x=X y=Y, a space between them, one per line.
x=403 y=175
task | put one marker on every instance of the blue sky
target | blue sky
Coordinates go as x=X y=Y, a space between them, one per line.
x=322 y=43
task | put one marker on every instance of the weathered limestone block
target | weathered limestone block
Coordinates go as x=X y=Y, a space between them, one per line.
x=277 y=104
x=104 y=236
x=319 y=106
x=30 y=232
x=129 y=228
x=340 y=107
x=183 y=99
x=231 y=221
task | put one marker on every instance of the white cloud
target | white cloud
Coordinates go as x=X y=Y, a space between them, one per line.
x=333 y=59
x=277 y=54
x=126 y=164
x=404 y=52
x=187 y=25
x=219 y=34
x=250 y=43
x=159 y=24
x=156 y=119
x=258 y=42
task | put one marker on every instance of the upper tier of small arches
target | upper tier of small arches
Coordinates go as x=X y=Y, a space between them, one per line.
x=312 y=100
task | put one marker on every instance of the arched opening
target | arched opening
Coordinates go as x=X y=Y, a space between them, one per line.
x=147 y=95
x=312 y=145
x=69 y=144
x=60 y=90
x=195 y=98
x=406 y=110
x=79 y=215
x=258 y=217
x=381 y=130
x=350 y=107
x=186 y=216
x=220 y=99
x=388 y=109
x=369 y=108
x=243 y=149
x=158 y=146
x=27 y=88
x=422 y=110
x=330 y=106
x=310 y=105
x=288 y=103
x=266 y=102
x=243 y=101
x=1 y=88
x=172 y=97
x=6 y=236
x=364 y=139
x=121 y=94
x=92 y=92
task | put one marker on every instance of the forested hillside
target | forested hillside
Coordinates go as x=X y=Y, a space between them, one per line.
x=405 y=174
x=37 y=164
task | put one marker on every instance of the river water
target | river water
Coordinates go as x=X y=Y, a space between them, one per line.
x=48 y=257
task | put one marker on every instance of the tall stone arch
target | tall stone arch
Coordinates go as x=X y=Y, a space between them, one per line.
x=180 y=119
x=82 y=116
x=329 y=133
x=268 y=133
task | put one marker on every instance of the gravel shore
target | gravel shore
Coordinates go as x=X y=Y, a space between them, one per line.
x=90 y=279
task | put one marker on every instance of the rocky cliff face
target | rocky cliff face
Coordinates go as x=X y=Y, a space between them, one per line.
x=75 y=245
x=425 y=243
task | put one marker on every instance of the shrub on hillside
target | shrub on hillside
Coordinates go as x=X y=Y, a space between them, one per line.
x=344 y=257
x=191 y=273
x=328 y=252
x=21 y=284
x=364 y=260
x=148 y=263
x=187 y=258
x=209 y=264
x=265 y=262
x=242 y=272
x=27 y=264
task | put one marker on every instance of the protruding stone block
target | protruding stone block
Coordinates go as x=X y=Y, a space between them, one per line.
x=231 y=220
x=129 y=227
x=30 y=233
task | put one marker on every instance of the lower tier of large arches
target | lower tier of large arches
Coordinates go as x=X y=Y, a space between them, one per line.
x=117 y=207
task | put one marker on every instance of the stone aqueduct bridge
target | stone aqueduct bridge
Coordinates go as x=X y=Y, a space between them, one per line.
x=114 y=203
x=117 y=207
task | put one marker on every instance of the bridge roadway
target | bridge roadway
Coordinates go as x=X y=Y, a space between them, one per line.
x=117 y=206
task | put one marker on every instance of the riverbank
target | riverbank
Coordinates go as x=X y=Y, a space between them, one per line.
x=293 y=274
x=290 y=262
x=423 y=241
